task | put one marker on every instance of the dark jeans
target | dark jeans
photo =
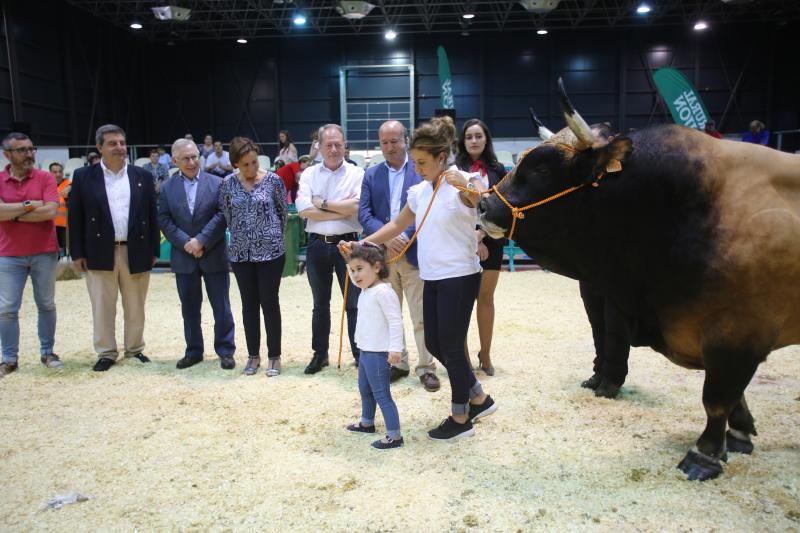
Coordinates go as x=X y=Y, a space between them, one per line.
x=446 y=310
x=190 y=291
x=611 y=336
x=322 y=260
x=259 y=284
x=61 y=237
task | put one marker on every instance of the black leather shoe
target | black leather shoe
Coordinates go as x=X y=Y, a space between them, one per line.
x=396 y=373
x=186 y=362
x=141 y=357
x=317 y=363
x=227 y=362
x=103 y=364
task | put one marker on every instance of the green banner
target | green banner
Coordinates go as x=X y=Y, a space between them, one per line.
x=683 y=101
x=445 y=81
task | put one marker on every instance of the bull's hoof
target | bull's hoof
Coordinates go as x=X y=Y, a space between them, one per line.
x=591 y=383
x=606 y=389
x=699 y=467
x=736 y=444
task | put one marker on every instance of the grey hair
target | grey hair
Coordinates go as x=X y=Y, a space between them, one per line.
x=107 y=128
x=13 y=136
x=328 y=127
x=181 y=143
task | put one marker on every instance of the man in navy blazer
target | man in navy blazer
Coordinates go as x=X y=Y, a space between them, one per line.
x=113 y=231
x=190 y=219
x=384 y=192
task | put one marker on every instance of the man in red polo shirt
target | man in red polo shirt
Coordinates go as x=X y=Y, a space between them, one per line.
x=28 y=246
x=290 y=174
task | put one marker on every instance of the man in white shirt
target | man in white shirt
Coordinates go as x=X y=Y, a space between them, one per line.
x=114 y=238
x=328 y=197
x=218 y=162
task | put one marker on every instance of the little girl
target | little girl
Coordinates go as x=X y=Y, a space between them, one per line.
x=379 y=335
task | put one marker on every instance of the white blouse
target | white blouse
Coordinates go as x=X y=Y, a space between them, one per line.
x=379 y=327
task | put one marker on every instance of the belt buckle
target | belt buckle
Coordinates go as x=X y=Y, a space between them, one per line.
x=325 y=238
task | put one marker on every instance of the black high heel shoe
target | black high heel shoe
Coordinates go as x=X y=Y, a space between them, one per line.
x=489 y=370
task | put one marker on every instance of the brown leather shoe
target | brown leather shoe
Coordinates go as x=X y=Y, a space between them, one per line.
x=430 y=381
x=7 y=368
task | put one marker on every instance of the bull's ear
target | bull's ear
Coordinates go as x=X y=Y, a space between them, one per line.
x=611 y=157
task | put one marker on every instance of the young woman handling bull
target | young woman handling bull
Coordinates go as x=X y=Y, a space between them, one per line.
x=448 y=264
x=476 y=155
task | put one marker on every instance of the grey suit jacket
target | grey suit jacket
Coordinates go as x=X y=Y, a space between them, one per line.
x=207 y=224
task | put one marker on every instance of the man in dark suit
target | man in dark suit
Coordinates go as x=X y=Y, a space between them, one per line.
x=189 y=215
x=384 y=192
x=113 y=231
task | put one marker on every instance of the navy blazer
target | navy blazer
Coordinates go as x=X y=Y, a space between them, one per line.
x=374 y=208
x=91 y=229
x=207 y=223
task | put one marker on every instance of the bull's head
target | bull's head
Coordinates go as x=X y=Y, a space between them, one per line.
x=576 y=156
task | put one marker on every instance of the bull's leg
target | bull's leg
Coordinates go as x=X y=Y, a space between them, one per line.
x=741 y=426
x=727 y=375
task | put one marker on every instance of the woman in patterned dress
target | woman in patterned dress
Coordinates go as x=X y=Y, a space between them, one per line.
x=254 y=203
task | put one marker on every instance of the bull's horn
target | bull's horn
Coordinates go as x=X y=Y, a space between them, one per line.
x=544 y=133
x=575 y=122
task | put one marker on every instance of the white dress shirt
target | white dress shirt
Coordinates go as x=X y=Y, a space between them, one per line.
x=118 y=191
x=337 y=185
x=396 y=179
x=379 y=327
x=224 y=160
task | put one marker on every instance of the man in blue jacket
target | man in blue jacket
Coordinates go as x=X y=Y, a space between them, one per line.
x=383 y=194
x=189 y=216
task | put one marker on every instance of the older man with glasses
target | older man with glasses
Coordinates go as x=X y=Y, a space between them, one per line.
x=190 y=218
x=28 y=246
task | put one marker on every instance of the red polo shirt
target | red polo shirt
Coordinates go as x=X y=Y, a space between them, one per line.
x=27 y=238
x=289 y=174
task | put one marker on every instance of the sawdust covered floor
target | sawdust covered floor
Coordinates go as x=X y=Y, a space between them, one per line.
x=205 y=449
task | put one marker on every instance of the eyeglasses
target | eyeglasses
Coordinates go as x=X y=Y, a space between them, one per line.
x=24 y=150
x=187 y=159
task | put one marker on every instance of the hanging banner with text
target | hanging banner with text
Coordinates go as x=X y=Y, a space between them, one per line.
x=445 y=81
x=683 y=101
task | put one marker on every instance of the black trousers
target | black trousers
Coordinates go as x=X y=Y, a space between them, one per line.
x=611 y=336
x=259 y=284
x=446 y=310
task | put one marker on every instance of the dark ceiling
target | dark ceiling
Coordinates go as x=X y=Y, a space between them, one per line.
x=256 y=19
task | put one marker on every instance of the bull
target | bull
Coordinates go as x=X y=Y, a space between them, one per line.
x=696 y=240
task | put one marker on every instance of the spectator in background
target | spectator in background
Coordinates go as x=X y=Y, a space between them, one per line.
x=711 y=129
x=92 y=158
x=218 y=162
x=314 y=153
x=159 y=171
x=475 y=154
x=290 y=174
x=207 y=148
x=163 y=157
x=347 y=155
x=757 y=134
x=189 y=137
x=287 y=152
x=28 y=203
x=63 y=186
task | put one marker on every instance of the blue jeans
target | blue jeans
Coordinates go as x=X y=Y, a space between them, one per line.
x=373 y=384
x=13 y=276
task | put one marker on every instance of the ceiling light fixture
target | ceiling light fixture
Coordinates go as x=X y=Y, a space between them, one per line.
x=241 y=40
x=541 y=32
x=299 y=20
x=700 y=25
x=136 y=26
x=643 y=9
x=468 y=16
x=354 y=9
x=390 y=35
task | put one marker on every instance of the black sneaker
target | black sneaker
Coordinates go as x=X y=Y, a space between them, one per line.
x=358 y=428
x=388 y=443
x=485 y=409
x=449 y=429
